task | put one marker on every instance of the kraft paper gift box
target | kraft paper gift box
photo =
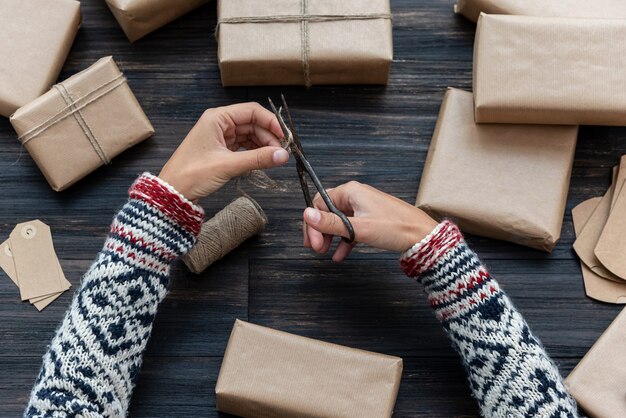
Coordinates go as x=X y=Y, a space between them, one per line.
x=300 y=42
x=81 y=124
x=140 y=17
x=36 y=36
x=598 y=382
x=540 y=70
x=500 y=181
x=602 y=9
x=269 y=373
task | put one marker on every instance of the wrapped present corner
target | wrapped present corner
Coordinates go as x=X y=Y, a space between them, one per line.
x=301 y=42
x=542 y=70
x=81 y=124
x=35 y=38
x=140 y=17
x=269 y=373
x=501 y=181
x=601 y=9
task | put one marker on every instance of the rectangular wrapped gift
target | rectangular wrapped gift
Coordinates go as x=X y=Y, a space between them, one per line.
x=598 y=383
x=81 y=124
x=550 y=70
x=500 y=181
x=300 y=42
x=602 y=9
x=140 y=17
x=35 y=38
x=269 y=373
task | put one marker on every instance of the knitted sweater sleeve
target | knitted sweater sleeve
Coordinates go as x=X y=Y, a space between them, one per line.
x=510 y=373
x=91 y=364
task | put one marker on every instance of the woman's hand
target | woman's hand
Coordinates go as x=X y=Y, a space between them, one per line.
x=379 y=220
x=207 y=158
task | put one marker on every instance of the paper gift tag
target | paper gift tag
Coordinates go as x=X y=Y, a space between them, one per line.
x=596 y=287
x=619 y=182
x=587 y=240
x=611 y=247
x=36 y=264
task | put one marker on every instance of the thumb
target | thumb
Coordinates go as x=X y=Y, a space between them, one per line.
x=258 y=159
x=326 y=222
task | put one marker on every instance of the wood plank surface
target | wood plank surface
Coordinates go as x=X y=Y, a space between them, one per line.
x=377 y=135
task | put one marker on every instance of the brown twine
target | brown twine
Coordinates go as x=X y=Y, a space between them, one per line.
x=72 y=108
x=304 y=18
x=229 y=228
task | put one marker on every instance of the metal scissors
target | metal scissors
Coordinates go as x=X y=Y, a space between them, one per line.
x=293 y=144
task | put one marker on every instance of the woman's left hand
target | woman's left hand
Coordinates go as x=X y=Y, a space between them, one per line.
x=207 y=158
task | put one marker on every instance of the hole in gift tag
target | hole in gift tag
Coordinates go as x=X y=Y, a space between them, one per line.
x=29 y=231
x=7 y=250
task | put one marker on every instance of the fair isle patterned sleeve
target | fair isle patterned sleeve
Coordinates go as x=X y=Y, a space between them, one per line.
x=510 y=373
x=91 y=364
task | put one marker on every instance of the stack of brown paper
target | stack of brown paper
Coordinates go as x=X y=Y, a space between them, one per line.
x=36 y=36
x=29 y=259
x=81 y=124
x=541 y=70
x=268 y=373
x=140 y=17
x=601 y=241
x=507 y=182
x=598 y=382
x=265 y=42
x=603 y=9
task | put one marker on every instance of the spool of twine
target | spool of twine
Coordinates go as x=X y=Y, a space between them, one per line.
x=229 y=228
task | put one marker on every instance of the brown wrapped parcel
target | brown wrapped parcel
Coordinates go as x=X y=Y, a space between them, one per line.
x=269 y=373
x=298 y=42
x=140 y=17
x=81 y=124
x=602 y=9
x=500 y=181
x=542 y=70
x=35 y=38
x=598 y=383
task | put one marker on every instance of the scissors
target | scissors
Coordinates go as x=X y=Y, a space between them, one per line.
x=293 y=144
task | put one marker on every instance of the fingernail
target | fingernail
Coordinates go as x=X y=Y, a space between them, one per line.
x=313 y=215
x=280 y=156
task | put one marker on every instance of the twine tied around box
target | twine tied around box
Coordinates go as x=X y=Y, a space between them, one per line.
x=304 y=18
x=73 y=108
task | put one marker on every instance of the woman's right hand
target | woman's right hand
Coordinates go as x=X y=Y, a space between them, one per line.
x=379 y=220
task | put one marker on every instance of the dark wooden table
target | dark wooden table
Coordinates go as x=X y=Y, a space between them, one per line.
x=375 y=135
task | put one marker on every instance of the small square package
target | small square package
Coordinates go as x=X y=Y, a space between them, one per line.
x=294 y=42
x=541 y=70
x=81 y=124
x=36 y=36
x=269 y=373
x=500 y=181
x=602 y=9
x=140 y=17
x=598 y=382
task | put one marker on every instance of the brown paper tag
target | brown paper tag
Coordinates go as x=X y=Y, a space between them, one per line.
x=35 y=261
x=611 y=247
x=587 y=240
x=596 y=287
x=619 y=181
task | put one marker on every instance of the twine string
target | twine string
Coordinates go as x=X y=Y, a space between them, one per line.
x=303 y=18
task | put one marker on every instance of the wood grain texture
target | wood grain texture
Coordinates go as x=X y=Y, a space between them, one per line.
x=377 y=135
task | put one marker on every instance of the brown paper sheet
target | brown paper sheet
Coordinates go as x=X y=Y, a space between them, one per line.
x=36 y=38
x=611 y=247
x=140 y=17
x=339 y=52
x=587 y=240
x=603 y=9
x=598 y=383
x=550 y=70
x=507 y=182
x=269 y=373
x=81 y=124
x=596 y=287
